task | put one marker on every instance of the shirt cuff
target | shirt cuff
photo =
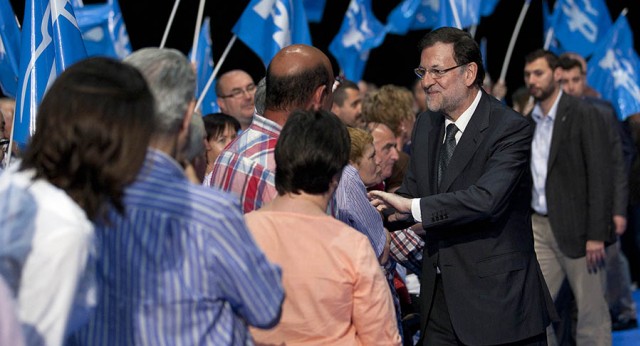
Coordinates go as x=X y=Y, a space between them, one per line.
x=415 y=210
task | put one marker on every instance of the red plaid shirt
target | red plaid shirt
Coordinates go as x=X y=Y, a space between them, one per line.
x=247 y=167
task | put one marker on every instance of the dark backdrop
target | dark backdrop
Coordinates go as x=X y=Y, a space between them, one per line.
x=392 y=62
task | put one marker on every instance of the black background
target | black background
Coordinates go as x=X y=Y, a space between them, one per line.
x=391 y=63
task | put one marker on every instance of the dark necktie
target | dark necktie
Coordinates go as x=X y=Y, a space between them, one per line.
x=446 y=151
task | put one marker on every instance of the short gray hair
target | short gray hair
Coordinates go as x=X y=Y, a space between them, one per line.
x=172 y=82
x=260 y=96
x=197 y=135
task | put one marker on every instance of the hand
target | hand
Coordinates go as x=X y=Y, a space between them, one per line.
x=621 y=224
x=499 y=90
x=595 y=255
x=383 y=200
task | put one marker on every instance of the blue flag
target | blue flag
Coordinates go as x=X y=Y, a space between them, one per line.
x=314 y=10
x=579 y=25
x=488 y=6
x=204 y=69
x=468 y=13
x=548 y=18
x=614 y=69
x=401 y=18
x=9 y=49
x=427 y=15
x=51 y=42
x=360 y=32
x=103 y=30
x=267 y=26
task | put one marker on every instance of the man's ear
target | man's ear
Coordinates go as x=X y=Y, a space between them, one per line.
x=557 y=74
x=318 y=98
x=221 y=104
x=186 y=120
x=470 y=73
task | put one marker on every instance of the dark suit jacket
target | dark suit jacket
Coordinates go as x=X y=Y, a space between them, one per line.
x=478 y=226
x=579 y=187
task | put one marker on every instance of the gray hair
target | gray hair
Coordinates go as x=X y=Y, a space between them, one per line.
x=172 y=82
x=197 y=134
x=260 y=96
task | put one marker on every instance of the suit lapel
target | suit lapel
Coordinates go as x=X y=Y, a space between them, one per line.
x=559 y=128
x=468 y=144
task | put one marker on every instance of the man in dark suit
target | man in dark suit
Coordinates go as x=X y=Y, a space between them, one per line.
x=468 y=184
x=572 y=196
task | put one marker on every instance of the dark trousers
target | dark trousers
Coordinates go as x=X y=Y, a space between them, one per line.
x=440 y=331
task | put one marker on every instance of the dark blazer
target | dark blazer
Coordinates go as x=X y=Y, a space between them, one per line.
x=579 y=186
x=478 y=226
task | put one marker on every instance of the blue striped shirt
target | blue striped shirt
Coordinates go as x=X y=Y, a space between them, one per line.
x=181 y=268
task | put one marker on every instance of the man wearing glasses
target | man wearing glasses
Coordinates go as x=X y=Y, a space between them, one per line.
x=468 y=183
x=235 y=90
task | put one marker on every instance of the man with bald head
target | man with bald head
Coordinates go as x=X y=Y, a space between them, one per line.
x=235 y=90
x=298 y=77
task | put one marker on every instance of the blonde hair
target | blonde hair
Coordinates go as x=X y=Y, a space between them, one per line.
x=389 y=105
x=359 y=140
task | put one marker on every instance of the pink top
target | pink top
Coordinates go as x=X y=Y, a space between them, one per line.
x=335 y=291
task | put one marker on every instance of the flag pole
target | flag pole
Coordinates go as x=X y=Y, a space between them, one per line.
x=171 y=17
x=514 y=37
x=455 y=14
x=215 y=71
x=194 y=47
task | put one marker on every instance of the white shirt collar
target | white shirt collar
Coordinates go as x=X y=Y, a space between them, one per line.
x=464 y=118
x=536 y=113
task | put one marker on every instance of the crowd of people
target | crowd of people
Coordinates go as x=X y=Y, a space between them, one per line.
x=311 y=211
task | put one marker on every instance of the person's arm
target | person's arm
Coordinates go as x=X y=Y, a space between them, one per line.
x=373 y=312
x=406 y=248
x=248 y=281
x=50 y=279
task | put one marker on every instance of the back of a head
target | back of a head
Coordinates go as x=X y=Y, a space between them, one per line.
x=312 y=149
x=465 y=48
x=359 y=140
x=389 y=105
x=92 y=132
x=293 y=76
x=260 y=96
x=195 y=145
x=172 y=82
x=577 y=57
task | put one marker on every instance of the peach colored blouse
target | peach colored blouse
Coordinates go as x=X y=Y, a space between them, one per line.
x=335 y=292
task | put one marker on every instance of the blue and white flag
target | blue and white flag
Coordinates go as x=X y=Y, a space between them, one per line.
x=51 y=42
x=614 y=69
x=103 y=30
x=77 y=3
x=580 y=25
x=267 y=26
x=9 y=49
x=204 y=69
x=314 y=10
x=360 y=32
x=468 y=12
x=401 y=18
x=548 y=19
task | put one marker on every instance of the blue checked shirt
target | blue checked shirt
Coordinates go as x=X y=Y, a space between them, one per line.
x=180 y=269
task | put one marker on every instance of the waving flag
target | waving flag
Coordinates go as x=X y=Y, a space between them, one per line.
x=414 y=15
x=360 y=32
x=103 y=30
x=487 y=7
x=579 y=25
x=204 y=69
x=314 y=10
x=468 y=12
x=9 y=49
x=614 y=69
x=267 y=26
x=51 y=42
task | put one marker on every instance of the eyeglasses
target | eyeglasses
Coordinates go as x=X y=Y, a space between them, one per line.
x=434 y=73
x=238 y=92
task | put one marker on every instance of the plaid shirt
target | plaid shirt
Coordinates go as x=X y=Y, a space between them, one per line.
x=406 y=248
x=247 y=167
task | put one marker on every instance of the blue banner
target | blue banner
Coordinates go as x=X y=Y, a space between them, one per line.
x=468 y=13
x=360 y=32
x=401 y=18
x=614 y=69
x=51 y=42
x=314 y=10
x=267 y=26
x=204 y=69
x=580 y=25
x=9 y=49
x=103 y=30
x=488 y=6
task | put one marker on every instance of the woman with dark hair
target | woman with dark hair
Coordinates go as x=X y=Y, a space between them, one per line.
x=92 y=132
x=221 y=129
x=335 y=291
